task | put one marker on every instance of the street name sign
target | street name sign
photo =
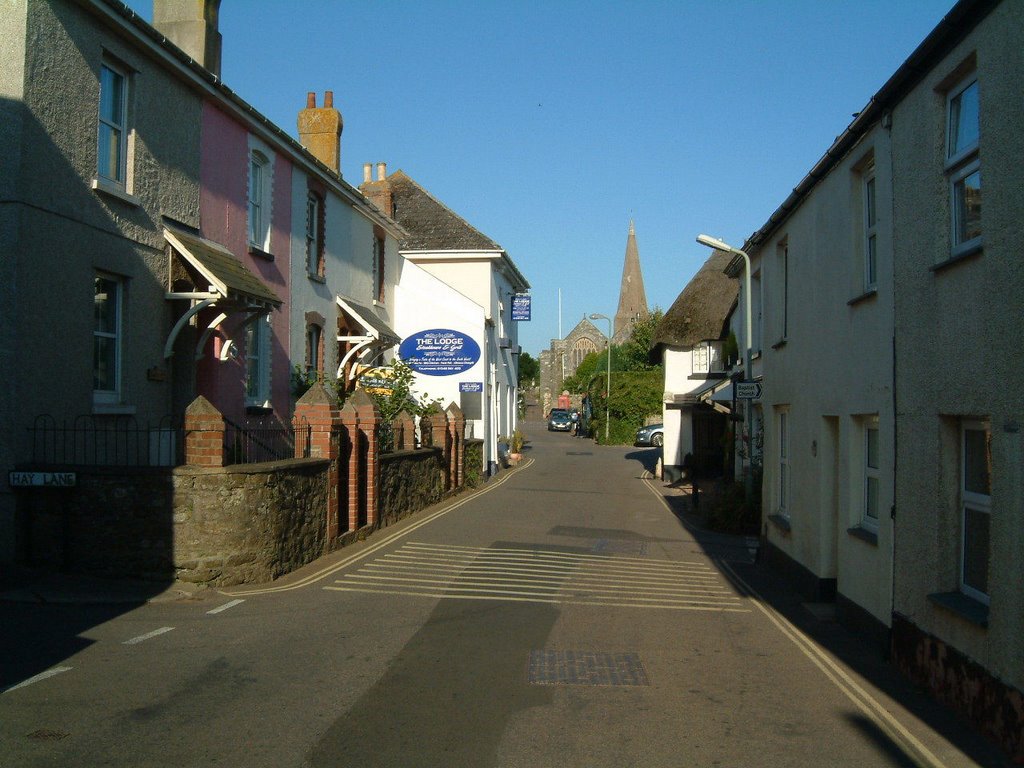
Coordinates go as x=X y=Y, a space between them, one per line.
x=42 y=479
x=748 y=390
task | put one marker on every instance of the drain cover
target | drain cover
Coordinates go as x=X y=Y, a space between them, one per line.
x=586 y=668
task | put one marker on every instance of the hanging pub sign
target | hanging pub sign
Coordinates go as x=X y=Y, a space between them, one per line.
x=521 y=306
x=439 y=352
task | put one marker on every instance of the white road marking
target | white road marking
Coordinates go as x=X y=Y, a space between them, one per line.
x=224 y=607
x=147 y=636
x=36 y=678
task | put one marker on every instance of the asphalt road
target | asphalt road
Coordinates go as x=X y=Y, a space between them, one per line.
x=562 y=617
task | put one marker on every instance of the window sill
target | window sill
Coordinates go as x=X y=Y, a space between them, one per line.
x=112 y=409
x=871 y=293
x=963 y=606
x=864 y=534
x=255 y=250
x=779 y=344
x=316 y=278
x=116 y=191
x=781 y=522
x=711 y=376
x=959 y=258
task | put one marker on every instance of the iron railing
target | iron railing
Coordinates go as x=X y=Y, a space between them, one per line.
x=258 y=440
x=110 y=441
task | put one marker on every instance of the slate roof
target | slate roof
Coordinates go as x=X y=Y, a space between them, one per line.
x=700 y=312
x=431 y=225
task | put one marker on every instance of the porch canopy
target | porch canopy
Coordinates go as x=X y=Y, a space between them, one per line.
x=230 y=286
x=375 y=338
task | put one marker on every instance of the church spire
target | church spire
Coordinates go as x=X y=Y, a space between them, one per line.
x=632 y=298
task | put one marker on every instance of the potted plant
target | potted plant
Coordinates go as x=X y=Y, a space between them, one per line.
x=515 y=446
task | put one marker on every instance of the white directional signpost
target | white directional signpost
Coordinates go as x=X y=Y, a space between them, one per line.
x=748 y=390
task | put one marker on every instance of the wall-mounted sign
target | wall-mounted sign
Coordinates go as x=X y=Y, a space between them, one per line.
x=377 y=381
x=521 y=306
x=471 y=386
x=42 y=479
x=439 y=352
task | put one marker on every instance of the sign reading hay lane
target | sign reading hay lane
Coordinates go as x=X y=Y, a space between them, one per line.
x=439 y=352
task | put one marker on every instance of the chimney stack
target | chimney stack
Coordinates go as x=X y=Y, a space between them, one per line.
x=192 y=26
x=379 y=191
x=320 y=130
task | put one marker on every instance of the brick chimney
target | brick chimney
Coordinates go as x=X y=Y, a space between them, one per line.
x=379 y=191
x=320 y=130
x=192 y=26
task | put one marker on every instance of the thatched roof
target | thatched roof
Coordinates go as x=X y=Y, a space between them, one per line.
x=701 y=311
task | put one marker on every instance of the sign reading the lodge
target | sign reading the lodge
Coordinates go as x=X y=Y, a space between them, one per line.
x=439 y=352
x=521 y=306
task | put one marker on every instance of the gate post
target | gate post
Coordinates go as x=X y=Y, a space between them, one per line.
x=316 y=410
x=369 y=426
x=456 y=431
x=204 y=434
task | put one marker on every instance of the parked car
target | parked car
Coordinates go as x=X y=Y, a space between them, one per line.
x=559 y=420
x=652 y=434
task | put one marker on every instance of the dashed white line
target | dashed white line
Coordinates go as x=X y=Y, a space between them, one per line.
x=36 y=678
x=147 y=636
x=224 y=607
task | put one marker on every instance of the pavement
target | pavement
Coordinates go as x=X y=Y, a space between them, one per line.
x=36 y=585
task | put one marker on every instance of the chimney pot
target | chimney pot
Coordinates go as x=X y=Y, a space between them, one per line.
x=311 y=100
x=328 y=99
x=367 y=173
x=382 y=171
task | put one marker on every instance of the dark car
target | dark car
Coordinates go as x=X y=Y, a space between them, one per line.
x=559 y=420
x=652 y=434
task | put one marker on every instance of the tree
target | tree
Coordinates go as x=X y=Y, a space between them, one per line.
x=529 y=370
x=634 y=352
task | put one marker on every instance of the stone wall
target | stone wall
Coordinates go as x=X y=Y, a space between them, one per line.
x=222 y=526
x=410 y=480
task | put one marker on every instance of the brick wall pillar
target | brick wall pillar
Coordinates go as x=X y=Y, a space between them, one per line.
x=315 y=411
x=441 y=439
x=204 y=434
x=404 y=429
x=456 y=432
x=349 y=419
x=369 y=426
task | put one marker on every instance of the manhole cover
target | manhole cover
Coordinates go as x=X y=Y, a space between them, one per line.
x=586 y=668
x=619 y=547
x=45 y=734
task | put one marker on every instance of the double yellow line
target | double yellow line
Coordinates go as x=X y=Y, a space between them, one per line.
x=323 y=573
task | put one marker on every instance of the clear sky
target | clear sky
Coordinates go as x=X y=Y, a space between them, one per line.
x=548 y=124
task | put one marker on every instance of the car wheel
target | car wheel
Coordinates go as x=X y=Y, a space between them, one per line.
x=658 y=440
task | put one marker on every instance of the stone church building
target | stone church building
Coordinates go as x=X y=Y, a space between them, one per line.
x=560 y=361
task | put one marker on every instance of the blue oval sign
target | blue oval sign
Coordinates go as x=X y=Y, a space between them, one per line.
x=439 y=352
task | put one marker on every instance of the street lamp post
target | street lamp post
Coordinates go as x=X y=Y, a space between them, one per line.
x=714 y=242
x=608 y=381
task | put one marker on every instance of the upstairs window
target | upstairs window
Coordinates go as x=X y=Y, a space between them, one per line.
x=107 y=338
x=707 y=357
x=963 y=166
x=378 y=268
x=870 y=231
x=871 y=475
x=112 y=132
x=260 y=186
x=314 y=235
x=315 y=350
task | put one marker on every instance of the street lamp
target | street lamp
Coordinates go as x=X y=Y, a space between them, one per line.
x=608 y=382
x=714 y=242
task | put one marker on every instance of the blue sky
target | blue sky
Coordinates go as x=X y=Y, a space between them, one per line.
x=548 y=125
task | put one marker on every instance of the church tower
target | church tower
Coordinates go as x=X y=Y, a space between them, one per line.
x=632 y=298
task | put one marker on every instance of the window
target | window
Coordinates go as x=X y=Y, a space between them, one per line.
x=314 y=349
x=580 y=349
x=107 y=339
x=869 y=518
x=975 y=505
x=257 y=362
x=963 y=166
x=784 y=471
x=111 y=164
x=260 y=186
x=707 y=357
x=870 y=230
x=314 y=235
x=378 y=268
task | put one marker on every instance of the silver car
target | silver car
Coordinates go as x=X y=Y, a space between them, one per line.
x=652 y=434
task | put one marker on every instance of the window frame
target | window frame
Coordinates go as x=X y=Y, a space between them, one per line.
x=259 y=202
x=975 y=502
x=117 y=124
x=315 y=235
x=314 y=349
x=960 y=164
x=257 y=345
x=378 y=268
x=110 y=396
x=869 y=188
x=785 y=473
x=870 y=473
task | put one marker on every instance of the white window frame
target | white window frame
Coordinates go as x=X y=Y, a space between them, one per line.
x=110 y=396
x=113 y=124
x=257 y=345
x=960 y=164
x=871 y=473
x=974 y=501
x=314 y=235
x=785 y=471
x=870 y=195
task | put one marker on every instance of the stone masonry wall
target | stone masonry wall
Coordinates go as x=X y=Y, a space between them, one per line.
x=410 y=480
